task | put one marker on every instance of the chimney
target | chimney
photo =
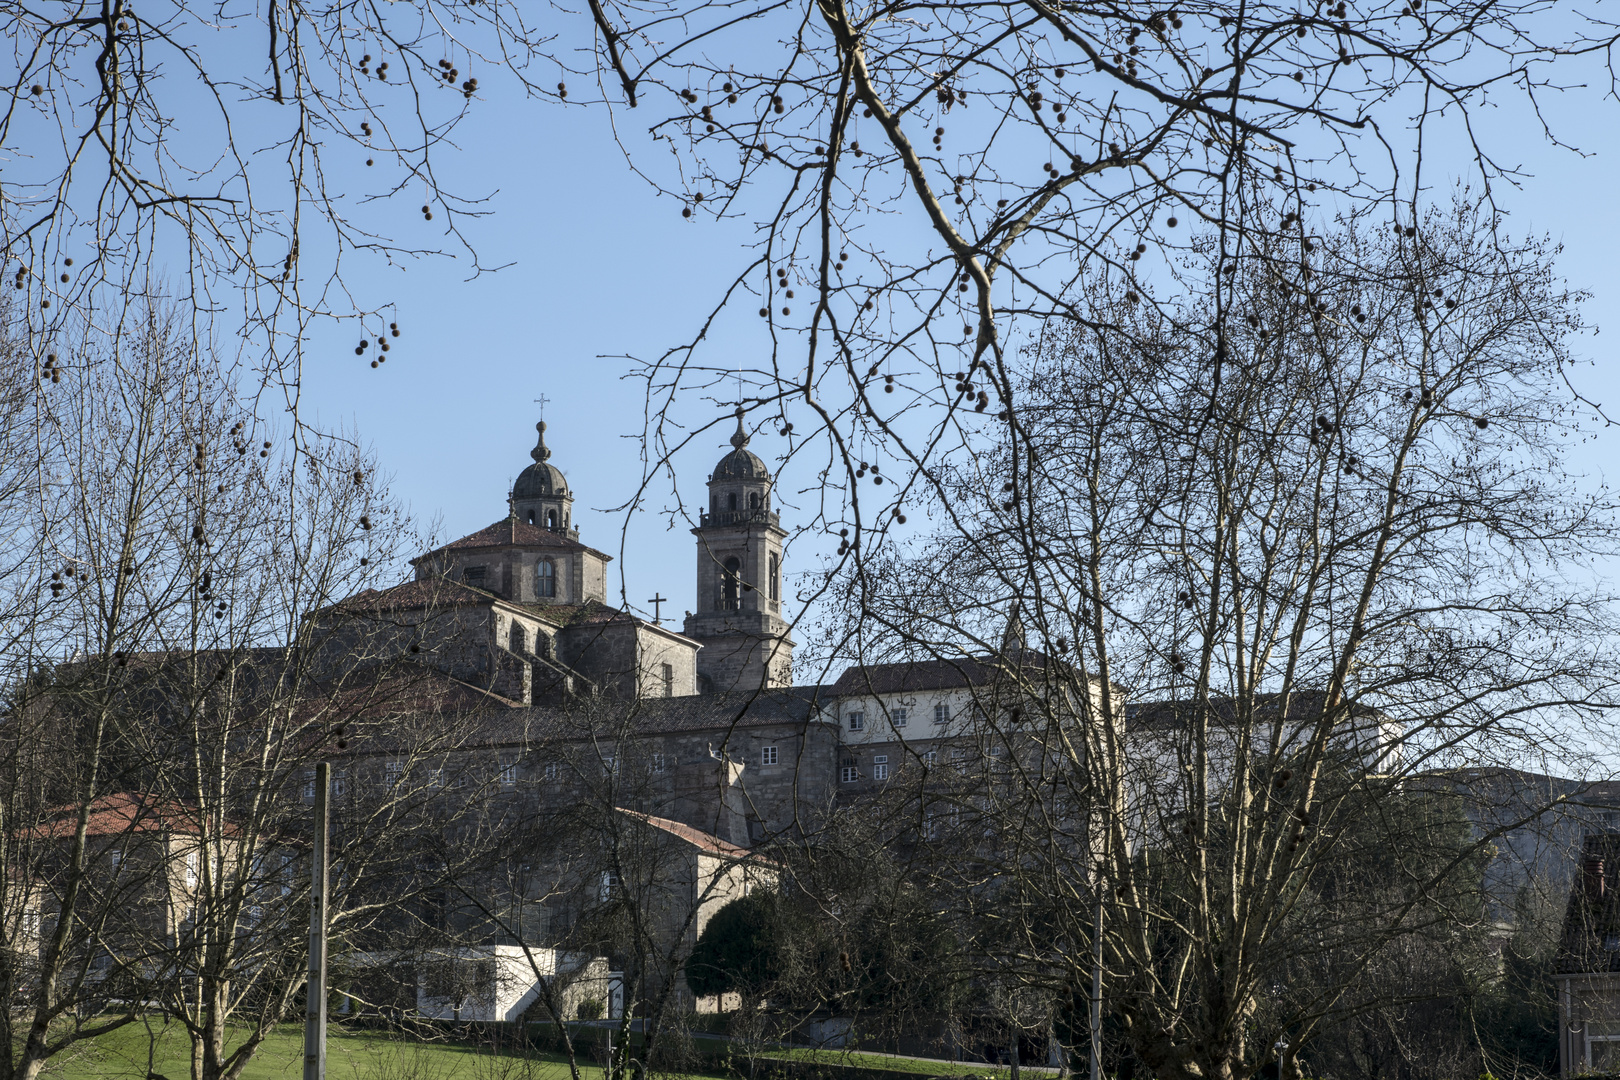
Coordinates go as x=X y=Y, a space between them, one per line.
x=1592 y=875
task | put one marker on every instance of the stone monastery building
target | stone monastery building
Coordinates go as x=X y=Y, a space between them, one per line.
x=512 y=623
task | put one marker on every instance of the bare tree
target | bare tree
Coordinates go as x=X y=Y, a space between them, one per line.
x=1345 y=565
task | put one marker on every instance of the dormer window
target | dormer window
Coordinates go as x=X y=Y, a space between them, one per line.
x=474 y=575
x=545 y=578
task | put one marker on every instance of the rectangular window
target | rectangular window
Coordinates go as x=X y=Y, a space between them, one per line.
x=436 y=778
x=508 y=775
x=610 y=885
x=309 y=785
x=553 y=770
x=857 y=721
x=767 y=755
x=393 y=773
x=930 y=757
x=658 y=763
x=191 y=870
x=900 y=716
x=942 y=713
x=669 y=680
x=340 y=783
x=474 y=575
x=115 y=859
x=776 y=589
x=849 y=772
x=880 y=767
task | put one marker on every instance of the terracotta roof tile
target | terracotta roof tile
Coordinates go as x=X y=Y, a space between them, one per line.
x=510 y=532
x=122 y=813
x=913 y=675
x=696 y=837
x=424 y=592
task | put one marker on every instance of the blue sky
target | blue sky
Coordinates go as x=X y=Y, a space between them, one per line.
x=597 y=269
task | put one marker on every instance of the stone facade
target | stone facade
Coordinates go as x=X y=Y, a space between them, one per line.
x=705 y=727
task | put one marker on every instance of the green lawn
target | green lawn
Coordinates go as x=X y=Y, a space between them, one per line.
x=377 y=1056
x=924 y=1067
x=349 y=1056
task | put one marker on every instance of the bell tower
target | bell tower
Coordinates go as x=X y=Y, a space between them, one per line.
x=541 y=496
x=739 y=579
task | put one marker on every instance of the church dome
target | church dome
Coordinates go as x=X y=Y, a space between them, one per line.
x=541 y=479
x=741 y=463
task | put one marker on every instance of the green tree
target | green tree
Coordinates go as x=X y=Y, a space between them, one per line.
x=738 y=952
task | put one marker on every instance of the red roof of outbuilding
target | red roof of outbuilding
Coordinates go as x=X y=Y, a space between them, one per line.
x=696 y=837
x=125 y=812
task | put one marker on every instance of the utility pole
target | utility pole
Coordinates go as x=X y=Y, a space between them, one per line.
x=1096 y=976
x=315 y=985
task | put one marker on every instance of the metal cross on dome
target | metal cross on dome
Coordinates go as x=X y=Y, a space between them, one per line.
x=541 y=401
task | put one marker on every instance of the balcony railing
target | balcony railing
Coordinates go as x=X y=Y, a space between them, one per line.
x=737 y=517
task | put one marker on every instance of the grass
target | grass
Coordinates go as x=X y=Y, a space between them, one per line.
x=350 y=1055
x=890 y=1063
x=369 y=1055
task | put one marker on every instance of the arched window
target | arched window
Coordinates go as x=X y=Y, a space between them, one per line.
x=776 y=590
x=753 y=500
x=551 y=520
x=515 y=640
x=545 y=578
x=531 y=517
x=731 y=501
x=728 y=596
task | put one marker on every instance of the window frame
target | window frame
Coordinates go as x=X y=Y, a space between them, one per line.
x=856 y=719
x=768 y=755
x=900 y=716
x=545 y=578
x=849 y=770
x=880 y=767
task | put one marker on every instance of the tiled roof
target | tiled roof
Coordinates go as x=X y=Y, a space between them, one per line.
x=511 y=532
x=123 y=813
x=925 y=675
x=423 y=592
x=696 y=837
x=590 y=613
